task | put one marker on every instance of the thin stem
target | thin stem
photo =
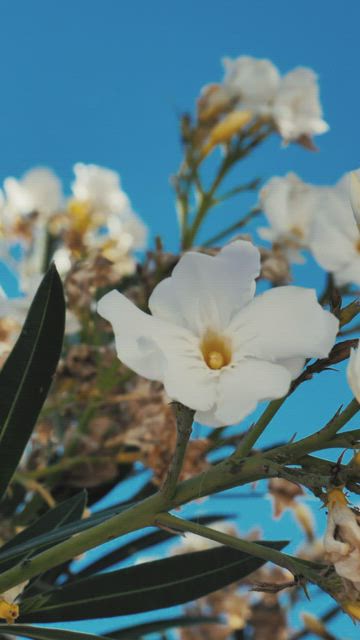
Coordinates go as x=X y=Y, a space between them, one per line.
x=234 y=227
x=318 y=440
x=184 y=420
x=258 y=428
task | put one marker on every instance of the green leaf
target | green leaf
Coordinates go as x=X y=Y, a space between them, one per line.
x=65 y=512
x=62 y=533
x=45 y=633
x=145 y=587
x=140 y=630
x=126 y=550
x=28 y=371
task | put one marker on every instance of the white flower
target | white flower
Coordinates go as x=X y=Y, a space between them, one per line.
x=335 y=237
x=289 y=205
x=252 y=81
x=216 y=349
x=355 y=194
x=39 y=190
x=100 y=189
x=297 y=111
x=353 y=372
x=342 y=538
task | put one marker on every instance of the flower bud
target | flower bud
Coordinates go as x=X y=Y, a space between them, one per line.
x=232 y=124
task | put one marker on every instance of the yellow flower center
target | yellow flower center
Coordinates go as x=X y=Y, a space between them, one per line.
x=216 y=350
x=8 y=612
x=80 y=211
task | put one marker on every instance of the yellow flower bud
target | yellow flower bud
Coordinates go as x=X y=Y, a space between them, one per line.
x=226 y=129
x=356 y=458
x=312 y=623
x=8 y=612
x=353 y=609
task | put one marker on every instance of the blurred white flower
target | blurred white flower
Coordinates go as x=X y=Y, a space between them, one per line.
x=289 y=205
x=16 y=310
x=353 y=372
x=251 y=81
x=297 y=110
x=355 y=194
x=99 y=189
x=335 y=237
x=216 y=349
x=39 y=190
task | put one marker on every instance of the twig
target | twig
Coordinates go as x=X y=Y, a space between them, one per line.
x=184 y=419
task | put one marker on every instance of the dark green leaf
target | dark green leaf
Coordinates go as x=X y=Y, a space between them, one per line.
x=62 y=514
x=28 y=371
x=126 y=550
x=146 y=587
x=62 y=533
x=44 y=633
x=132 y=633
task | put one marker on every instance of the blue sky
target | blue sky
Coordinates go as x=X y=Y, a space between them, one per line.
x=104 y=81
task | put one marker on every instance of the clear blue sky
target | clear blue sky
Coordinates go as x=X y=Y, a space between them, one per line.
x=103 y=81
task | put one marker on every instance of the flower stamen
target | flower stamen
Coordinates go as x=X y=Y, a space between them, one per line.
x=216 y=350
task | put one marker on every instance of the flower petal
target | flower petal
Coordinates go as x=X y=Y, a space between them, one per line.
x=137 y=335
x=243 y=386
x=205 y=291
x=187 y=379
x=284 y=323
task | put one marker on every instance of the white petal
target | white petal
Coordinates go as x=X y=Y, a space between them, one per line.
x=243 y=386
x=284 y=323
x=294 y=365
x=355 y=194
x=188 y=379
x=334 y=233
x=353 y=372
x=137 y=335
x=350 y=273
x=205 y=291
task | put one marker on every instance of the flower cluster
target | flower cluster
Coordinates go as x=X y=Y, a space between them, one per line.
x=322 y=219
x=39 y=224
x=253 y=90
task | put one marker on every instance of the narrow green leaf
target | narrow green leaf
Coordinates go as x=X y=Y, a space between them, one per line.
x=62 y=533
x=45 y=633
x=126 y=550
x=133 y=633
x=146 y=587
x=27 y=373
x=64 y=513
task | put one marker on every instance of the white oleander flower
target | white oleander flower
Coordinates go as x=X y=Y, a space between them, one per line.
x=289 y=205
x=297 y=110
x=39 y=190
x=335 y=236
x=355 y=194
x=215 y=348
x=342 y=538
x=253 y=82
x=97 y=192
x=353 y=372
